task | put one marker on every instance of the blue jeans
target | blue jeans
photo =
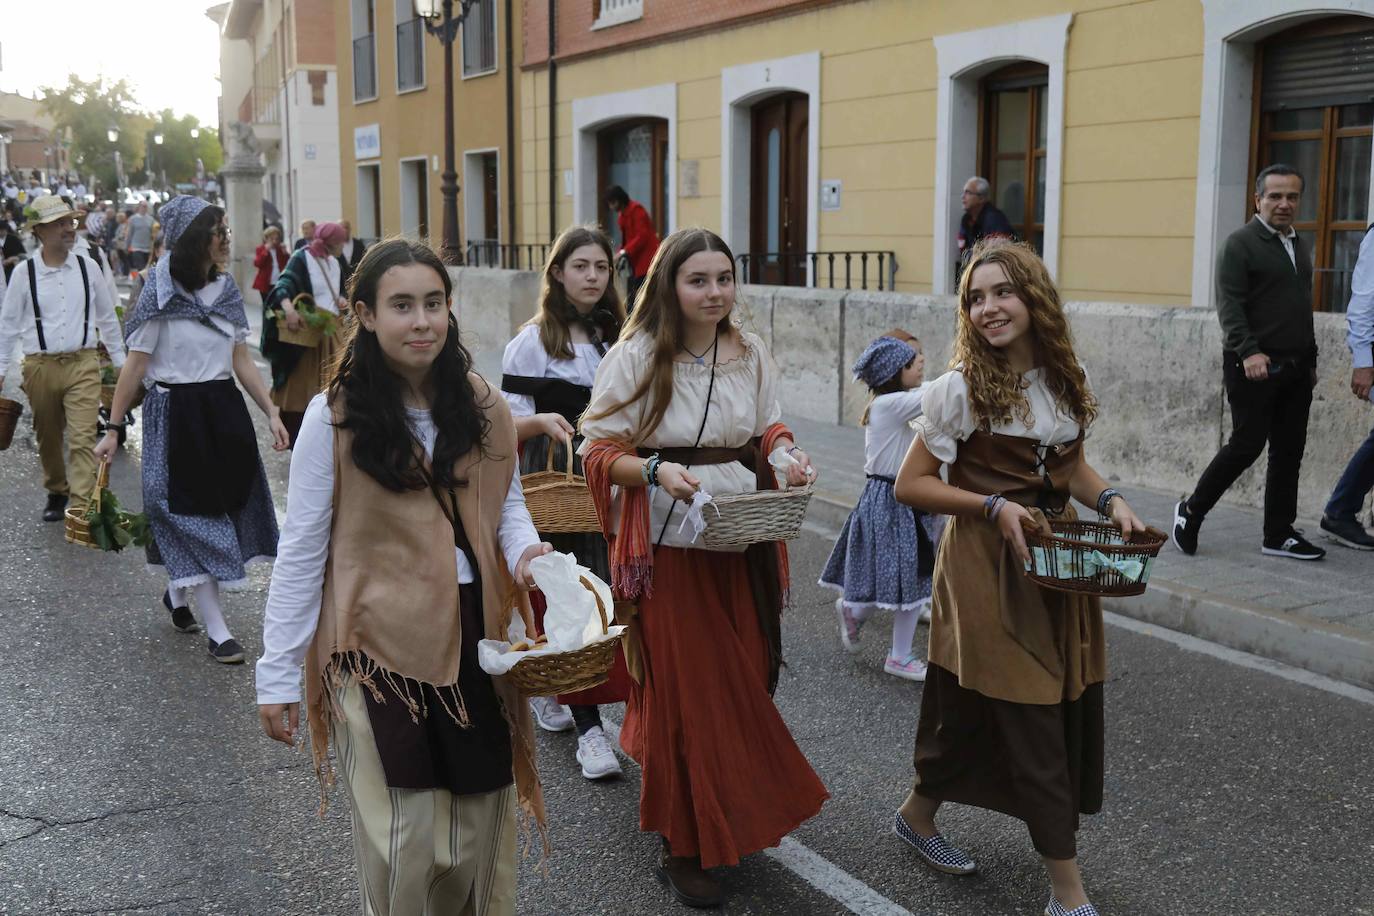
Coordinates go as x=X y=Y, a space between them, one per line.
x=1354 y=485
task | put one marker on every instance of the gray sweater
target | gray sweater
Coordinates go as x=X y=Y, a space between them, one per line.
x=1263 y=302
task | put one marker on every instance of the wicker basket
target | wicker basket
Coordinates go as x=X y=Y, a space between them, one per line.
x=749 y=518
x=107 y=396
x=75 y=527
x=10 y=411
x=1070 y=560
x=306 y=336
x=568 y=672
x=559 y=501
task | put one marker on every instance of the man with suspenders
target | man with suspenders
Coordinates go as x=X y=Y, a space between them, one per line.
x=57 y=306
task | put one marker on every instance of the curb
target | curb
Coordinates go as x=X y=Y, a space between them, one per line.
x=1318 y=646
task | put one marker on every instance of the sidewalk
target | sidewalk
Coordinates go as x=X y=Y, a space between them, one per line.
x=1315 y=615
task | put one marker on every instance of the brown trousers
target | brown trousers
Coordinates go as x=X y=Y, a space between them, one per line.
x=64 y=394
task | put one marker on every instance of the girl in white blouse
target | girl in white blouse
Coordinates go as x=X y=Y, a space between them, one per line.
x=688 y=401
x=547 y=378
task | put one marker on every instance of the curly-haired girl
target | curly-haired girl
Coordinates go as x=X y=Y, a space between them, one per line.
x=1011 y=713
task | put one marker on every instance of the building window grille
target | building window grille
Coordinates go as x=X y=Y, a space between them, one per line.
x=364 y=22
x=479 y=39
x=410 y=47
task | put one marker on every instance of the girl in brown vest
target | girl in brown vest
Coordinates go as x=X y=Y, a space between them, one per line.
x=1011 y=714
x=404 y=515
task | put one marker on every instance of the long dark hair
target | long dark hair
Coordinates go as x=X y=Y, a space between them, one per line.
x=556 y=313
x=192 y=251
x=369 y=392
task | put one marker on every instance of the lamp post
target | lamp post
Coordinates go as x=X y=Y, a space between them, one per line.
x=157 y=142
x=113 y=136
x=442 y=20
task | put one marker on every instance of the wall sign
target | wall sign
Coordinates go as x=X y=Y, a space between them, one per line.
x=367 y=141
x=830 y=195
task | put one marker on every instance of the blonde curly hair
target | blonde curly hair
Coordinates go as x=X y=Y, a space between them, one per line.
x=995 y=391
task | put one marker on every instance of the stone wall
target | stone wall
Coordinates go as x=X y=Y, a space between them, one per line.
x=1156 y=372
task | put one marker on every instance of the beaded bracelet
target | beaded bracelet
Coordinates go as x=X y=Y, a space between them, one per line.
x=997 y=508
x=644 y=469
x=992 y=505
x=1104 y=500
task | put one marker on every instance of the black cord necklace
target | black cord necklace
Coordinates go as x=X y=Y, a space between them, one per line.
x=701 y=357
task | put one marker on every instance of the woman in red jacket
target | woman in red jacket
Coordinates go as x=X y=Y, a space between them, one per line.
x=638 y=238
x=269 y=259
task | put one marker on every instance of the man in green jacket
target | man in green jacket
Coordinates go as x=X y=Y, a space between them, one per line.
x=1269 y=366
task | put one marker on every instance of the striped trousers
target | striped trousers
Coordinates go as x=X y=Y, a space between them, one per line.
x=422 y=852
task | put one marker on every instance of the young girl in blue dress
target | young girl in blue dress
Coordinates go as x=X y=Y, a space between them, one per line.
x=885 y=553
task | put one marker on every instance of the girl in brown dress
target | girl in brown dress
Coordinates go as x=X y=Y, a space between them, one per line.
x=1011 y=714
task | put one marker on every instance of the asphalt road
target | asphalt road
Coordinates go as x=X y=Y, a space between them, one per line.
x=134 y=777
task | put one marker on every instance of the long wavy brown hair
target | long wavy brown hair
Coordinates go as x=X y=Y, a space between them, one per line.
x=658 y=315
x=555 y=308
x=994 y=389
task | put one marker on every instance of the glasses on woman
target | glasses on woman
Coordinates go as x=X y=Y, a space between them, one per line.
x=223 y=232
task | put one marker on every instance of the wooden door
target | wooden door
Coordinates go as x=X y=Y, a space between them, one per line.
x=778 y=191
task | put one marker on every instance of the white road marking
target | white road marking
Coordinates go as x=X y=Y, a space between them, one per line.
x=817 y=871
x=1243 y=659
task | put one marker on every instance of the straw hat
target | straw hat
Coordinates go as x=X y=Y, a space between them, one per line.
x=48 y=209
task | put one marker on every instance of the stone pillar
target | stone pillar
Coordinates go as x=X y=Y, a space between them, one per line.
x=242 y=173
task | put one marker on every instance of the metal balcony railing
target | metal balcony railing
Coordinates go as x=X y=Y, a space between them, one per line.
x=365 y=68
x=828 y=269
x=491 y=253
x=410 y=55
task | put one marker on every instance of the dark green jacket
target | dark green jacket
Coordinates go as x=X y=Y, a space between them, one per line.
x=1263 y=302
x=293 y=280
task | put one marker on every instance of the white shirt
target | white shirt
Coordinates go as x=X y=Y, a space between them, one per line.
x=182 y=350
x=1285 y=237
x=526 y=356
x=1359 y=315
x=324 y=281
x=62 y=303
x=947 y=419
x=83 y=246
x=888 y=435
x=293 y=601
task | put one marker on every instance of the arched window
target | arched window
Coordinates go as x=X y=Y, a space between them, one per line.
x=1314 y=110
x=1012 y=145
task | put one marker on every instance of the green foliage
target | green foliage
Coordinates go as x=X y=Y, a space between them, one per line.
x=113 y=527
x=315 y=318
x=108 y=375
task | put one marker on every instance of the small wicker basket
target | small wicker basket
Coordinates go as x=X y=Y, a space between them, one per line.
x=76 y=529
x=305 y=336
x=560 y=501
x=750 y=518
x=10 y=411
x=107 y=396
x=1071 y=560
x=568 y=672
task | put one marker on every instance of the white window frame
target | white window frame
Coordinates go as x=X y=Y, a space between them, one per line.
x=410 y=231
x=592 y=113
x=376 y=56
x=964 y=58
x=472 y=203
x=740 y=88
x=1232 y=28
x=424 y=52
x=496 y=45
x=379 y=231
x=618 y=12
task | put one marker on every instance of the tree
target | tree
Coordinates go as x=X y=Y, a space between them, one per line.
x=86 y=111
x=176 y=157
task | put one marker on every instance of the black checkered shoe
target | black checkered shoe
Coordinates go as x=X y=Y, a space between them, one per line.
x=1055 y=908
x=936 y=852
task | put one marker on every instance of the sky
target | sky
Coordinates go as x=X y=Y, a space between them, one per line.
x=167 y=49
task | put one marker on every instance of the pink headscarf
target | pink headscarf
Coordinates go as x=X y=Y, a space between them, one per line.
x=326 y=233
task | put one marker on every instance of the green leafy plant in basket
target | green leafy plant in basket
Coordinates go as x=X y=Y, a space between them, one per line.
x=317 y=319
x=108 y=375
x=114 y=527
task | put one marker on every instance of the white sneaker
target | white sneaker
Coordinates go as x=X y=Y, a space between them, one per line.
x=910 y=668
x=551 y=715
x=595 y=754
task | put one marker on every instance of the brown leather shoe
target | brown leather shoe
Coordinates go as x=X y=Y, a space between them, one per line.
x=688 y=881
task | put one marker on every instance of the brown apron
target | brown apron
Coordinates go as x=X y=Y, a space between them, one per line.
x=999 y=633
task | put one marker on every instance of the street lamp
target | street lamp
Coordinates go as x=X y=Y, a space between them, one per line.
x=442 y=21
x=195 y=133
x=113 y=136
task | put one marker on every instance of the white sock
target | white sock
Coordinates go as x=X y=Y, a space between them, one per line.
x=903 y=632
x=176 y=595
x=211 y=614
x=860 y=614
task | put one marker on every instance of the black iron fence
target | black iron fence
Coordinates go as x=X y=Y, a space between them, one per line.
x=828 y=269
x=491 y=253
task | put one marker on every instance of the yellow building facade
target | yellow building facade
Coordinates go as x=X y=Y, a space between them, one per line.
x=1121 y=137
x=391 y=121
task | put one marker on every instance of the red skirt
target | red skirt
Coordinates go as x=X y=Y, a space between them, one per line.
x=722 y=777
x=615 y=690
